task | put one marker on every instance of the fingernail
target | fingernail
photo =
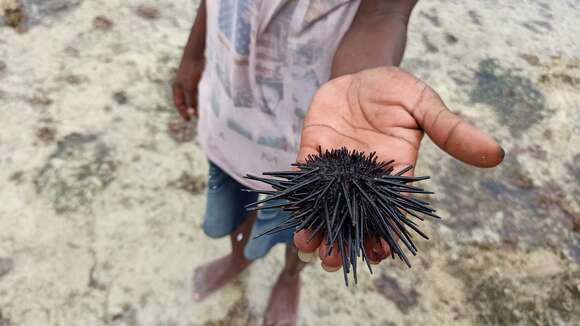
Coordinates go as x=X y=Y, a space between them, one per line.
x=305 y=256
x=329 y=269
x=190 y=111
x=372 y=262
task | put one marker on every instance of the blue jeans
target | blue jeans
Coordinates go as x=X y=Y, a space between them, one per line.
x=225 y=212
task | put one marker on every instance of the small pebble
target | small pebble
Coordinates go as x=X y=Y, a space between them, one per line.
x=120 y=97
x=148 y=12
x=102 y=23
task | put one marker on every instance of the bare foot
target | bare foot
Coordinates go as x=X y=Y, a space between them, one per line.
x=213 y=275
x=283 y=303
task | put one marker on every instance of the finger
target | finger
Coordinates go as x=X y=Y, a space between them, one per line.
x=374 y=250
x=333 y=260
x=192 y=112
x=452 y=134
x=328 y=268
x=306 y=256
x=306 y=151
x=304 y=243
x=179 y=101
x=190 y=101
x=386 y=248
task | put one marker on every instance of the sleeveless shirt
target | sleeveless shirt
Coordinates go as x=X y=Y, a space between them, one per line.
x=265 y=59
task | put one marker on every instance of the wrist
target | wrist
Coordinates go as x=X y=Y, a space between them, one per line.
x=377 y=37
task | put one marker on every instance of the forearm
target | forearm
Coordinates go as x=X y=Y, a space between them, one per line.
x=195 y=46
x=377 y=37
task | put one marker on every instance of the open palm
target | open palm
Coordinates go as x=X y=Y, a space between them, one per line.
x=387 y=111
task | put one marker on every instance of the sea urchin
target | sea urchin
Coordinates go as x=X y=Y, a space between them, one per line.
x=347 y=196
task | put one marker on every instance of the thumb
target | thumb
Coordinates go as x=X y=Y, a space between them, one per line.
x=454 y=135
x=306 y=151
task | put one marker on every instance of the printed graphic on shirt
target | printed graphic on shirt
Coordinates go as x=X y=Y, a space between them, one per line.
x=318 y=9
x=234 y=21
x=271 y=56
x=243 y=96
x=238 y=128
x=265 y=60
x=274 y=141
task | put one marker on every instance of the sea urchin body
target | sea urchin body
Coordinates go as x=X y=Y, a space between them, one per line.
x=348 y=196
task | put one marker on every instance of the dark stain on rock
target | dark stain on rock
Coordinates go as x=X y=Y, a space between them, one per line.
x=40 y=100
x=32 y=12
x=559 y=78
x=433 y=18
x=475 y=18
x=73 y=79
x=181 y=131
x=14 y=17
x=429 y=46
x=148 y=12
x=79 y=168
x=537 y=152
x=545 y=6
x=526 y=301
x=6 y=266
x=16 y=177
x=574 y=174
x=121 y=97
x=546 y=11
x=404 y=299
x=2 y=66
x=193 y=184
x=46 y=135
x=546 y=200
x=144 y=298
x=531 y=59
x=240 y=313
x=102 y=22
x=450 y=38
x=72 y=51
x=516 y=99
x=538 y=26
x=127 y=315
x=505 y=201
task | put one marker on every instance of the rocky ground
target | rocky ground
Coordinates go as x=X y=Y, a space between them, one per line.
x=103 y=185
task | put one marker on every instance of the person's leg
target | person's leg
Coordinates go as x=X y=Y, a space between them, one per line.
x=225 y=215
x=215 y=274
x=285 y=296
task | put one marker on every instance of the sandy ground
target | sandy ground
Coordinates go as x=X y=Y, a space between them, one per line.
x=103 y=186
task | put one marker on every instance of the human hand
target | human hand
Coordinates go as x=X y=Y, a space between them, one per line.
x=385 y=110
x=184 y=87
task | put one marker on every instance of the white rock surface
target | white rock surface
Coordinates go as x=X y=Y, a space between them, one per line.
x=103 y=187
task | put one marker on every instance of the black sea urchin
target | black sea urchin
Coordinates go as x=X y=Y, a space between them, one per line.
x=347 y=197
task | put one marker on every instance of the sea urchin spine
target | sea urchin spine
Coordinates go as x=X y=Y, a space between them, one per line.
x=348 y=196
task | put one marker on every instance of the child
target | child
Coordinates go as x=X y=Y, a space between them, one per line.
x=272 y=80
